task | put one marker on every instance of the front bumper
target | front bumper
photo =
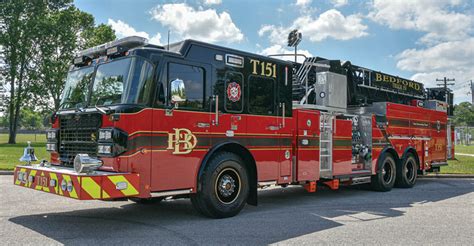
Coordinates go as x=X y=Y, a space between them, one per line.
x=66 y=182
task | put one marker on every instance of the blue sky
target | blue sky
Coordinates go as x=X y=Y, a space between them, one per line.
x=421 y=40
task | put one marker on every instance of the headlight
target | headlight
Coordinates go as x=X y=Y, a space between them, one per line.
x=111 y=142
x=51 y=134
x=63 y=185
x=104 y=149
x=105 y=134
x=69 y=187
x=51 y=147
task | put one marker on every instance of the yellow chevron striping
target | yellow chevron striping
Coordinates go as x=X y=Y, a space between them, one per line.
x=32 y=173
x=92 y=188
x=130 y=191
x=73 y=193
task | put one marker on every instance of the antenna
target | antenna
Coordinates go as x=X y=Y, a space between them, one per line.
x=168 y=47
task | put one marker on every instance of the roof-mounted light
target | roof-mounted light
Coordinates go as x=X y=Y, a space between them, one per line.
x=81 y=60
x=126 y=44
x=116 y=50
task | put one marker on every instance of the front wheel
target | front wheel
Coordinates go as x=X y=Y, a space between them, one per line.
x=223 y=187
x=407 y=172
x=386 y=173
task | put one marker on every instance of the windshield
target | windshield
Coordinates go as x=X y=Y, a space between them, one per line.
x=124 y=81
x=77 y=88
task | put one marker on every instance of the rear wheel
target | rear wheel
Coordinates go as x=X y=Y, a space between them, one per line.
x=223 y=188
x=407 y=172
x=386 y=173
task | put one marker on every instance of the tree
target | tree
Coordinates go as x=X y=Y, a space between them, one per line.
x=31 y=119
x=18 y=37
x=464 y=114
x=37 y=43
x=97 y=35
x=66 y=31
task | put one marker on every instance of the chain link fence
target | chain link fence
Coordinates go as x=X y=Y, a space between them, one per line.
x=464 y=135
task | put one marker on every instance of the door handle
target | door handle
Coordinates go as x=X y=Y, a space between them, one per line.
x=203 y=125
x=273 y=128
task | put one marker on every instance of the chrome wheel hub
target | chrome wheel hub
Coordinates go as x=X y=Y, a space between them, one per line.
x=226 y=185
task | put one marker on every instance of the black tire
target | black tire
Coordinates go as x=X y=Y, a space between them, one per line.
x=385 y=178
x=153 y=200
x=223 y=188
x=407 y=172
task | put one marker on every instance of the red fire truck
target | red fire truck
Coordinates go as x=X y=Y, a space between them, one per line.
x=214 y=124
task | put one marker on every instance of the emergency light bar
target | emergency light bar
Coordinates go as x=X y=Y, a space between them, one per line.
x=126 y=43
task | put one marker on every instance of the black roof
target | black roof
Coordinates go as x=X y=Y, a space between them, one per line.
x=183 y=47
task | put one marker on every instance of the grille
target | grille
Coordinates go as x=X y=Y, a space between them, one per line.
x=78 y=134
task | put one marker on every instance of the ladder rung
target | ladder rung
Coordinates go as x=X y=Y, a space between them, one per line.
x=325 y=141
x=325 y=155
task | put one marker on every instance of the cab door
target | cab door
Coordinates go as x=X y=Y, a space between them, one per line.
x=229 y=123
x=180 y=130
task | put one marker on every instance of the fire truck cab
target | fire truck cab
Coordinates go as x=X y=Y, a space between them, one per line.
x=196 y=120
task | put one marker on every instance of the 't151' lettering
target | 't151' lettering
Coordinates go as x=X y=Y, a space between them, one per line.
x=267 y=69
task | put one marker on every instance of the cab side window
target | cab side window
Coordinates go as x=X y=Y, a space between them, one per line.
x=193 y=78
x=233 y=90
x=261 y=95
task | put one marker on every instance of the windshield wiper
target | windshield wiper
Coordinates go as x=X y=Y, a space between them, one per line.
x=100 y=110
x=67 y=102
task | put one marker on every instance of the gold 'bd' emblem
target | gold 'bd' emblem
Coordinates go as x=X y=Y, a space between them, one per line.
x=182 y=141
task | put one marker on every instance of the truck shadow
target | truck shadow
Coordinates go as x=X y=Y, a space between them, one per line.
x=282 y=214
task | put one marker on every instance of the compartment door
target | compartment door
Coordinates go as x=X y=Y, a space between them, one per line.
x=326 y=124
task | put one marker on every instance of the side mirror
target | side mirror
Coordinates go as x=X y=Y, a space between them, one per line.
x=178 y=92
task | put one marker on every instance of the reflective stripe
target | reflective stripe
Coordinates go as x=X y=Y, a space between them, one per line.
x=92 y=188
x=130 y=191
x=73 y=192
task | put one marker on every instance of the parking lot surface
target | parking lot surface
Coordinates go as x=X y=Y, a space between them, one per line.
x=435 y=211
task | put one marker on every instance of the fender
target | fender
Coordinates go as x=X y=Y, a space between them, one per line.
x=390 y=150
x=247 y=156
x=408 y=150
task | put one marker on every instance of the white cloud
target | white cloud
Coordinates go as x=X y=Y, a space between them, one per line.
x=206 y=25
x=453 y=54
x=339 y=3
x=156 y=39
x=330 y=24
x=122 y=29
x=303 y=2
x=212 y=2
x=452 y=59
x=448 y=44
x=279 y=49
x=438 y=19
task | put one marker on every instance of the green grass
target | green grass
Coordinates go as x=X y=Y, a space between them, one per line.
x=462 y=165
x=11 y=153
x=464 y=149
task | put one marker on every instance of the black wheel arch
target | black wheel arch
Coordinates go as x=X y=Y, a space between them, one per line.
x=390 y=150
x=249 y=161
x=411 y=150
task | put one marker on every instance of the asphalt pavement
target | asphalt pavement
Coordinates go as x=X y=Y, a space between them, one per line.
x=435 y=211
